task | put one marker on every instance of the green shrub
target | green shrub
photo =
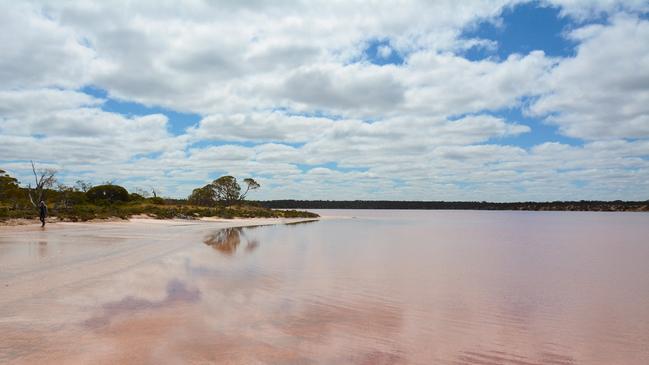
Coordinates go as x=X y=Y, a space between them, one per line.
x=134 y=197
x=107 y=194
x=156 y=200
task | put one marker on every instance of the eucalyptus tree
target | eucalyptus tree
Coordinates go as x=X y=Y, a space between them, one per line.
x=9 y=189
x=204 y=196
x=251 y=184
x=224 y=190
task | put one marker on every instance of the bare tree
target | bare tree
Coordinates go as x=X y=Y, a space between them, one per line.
x=142 y=192
x=64 y=194
x=82 y=185
x=44 y=179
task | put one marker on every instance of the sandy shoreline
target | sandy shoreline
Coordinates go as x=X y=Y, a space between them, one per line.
x=234 y=222
x=59 y=283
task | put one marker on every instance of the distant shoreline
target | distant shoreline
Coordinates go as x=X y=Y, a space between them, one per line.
x=582 y=206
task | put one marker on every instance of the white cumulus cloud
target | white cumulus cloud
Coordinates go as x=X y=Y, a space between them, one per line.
x=285 y=91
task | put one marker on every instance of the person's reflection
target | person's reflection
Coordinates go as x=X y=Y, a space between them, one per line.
x=252 y=245
x=42 y=249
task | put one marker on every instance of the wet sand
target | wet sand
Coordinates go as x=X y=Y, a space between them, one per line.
x=482 y=288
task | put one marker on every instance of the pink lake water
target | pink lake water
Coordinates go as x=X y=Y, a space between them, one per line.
x=384 y=287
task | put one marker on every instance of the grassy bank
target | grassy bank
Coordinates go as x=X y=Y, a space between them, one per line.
x=86 y=212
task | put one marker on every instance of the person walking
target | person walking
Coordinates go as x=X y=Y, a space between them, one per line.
x=42 y=212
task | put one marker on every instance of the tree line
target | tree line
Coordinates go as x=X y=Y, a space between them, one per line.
x=224 y=191
x=583 y=205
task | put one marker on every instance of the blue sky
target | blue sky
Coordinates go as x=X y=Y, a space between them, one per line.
x=178 y=121
x=505 y=100
x=522 y=29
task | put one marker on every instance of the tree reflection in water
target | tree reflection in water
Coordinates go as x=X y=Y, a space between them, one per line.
x=228 y=240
